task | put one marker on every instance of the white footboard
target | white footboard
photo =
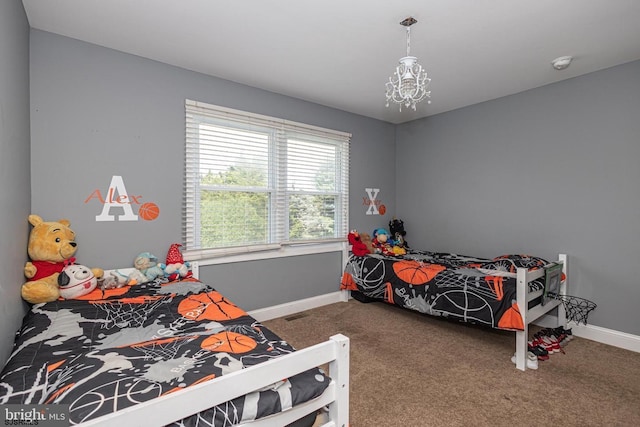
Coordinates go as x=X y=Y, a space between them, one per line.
x=181 y=404
x=530 y=315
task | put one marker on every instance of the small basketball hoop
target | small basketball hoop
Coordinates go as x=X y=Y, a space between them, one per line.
x=577 y=309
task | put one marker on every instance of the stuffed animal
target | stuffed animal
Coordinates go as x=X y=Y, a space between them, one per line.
x=380 y=237
x=398 y=250
x=136 y=277
x=176 y=268
x=115 y=279
x=75 y=281
x=358 y=248
x=147 y=268
x=396 y=226
x=50 y=245
x=368 y=242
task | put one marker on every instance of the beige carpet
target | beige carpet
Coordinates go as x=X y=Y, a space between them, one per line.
x=409 y=369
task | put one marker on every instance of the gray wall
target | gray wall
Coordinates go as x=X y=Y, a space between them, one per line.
x=14 y=166
x=551 y=170
x=97 y=113
x=266 y=283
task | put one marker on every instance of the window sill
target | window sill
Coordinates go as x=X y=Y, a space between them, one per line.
x=280 y=252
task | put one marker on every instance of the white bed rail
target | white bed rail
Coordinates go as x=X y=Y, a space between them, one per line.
x=175 y=406
x=531 y=315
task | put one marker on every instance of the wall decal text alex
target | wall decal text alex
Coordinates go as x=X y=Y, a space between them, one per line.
x=117 y=197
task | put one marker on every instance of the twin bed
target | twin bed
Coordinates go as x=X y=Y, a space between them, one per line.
x=176 y=353
x=505 y=292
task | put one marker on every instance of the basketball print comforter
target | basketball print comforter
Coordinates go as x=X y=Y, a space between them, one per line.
x=119 y=347
x=459 y=287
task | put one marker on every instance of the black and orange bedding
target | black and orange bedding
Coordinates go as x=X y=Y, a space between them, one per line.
x=459 y=287
x=119 y=347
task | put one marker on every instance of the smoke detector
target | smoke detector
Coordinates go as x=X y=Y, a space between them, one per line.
x=561 y=62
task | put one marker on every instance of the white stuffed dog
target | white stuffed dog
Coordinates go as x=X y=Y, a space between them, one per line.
x=75 y=281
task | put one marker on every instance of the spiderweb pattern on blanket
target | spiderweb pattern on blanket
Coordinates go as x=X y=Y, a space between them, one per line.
x=127 y=313
x=163 y=349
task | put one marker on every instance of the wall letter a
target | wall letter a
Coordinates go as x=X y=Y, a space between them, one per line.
x=117 y=185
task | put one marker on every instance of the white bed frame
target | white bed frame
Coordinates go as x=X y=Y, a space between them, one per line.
x=533 y=314
x=175 y=406
x=529 y=316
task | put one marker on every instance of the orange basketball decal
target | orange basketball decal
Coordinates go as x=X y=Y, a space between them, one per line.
x=229 y=342
x=209 y=306
x=416 y=273
x=382 y=209
x=149 y=211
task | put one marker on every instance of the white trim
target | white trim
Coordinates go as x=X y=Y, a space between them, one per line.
x=286 y=309
x=284 y=251
x=606 y=336
x=195 y=269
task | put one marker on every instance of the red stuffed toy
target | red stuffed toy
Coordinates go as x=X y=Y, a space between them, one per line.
x=358 y=248
x=176 y=267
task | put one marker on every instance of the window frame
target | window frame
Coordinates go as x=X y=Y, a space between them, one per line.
x=279 y=244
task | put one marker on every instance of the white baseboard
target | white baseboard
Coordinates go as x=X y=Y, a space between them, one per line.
x=286 y=309
x=593 y=333
x=606 y=336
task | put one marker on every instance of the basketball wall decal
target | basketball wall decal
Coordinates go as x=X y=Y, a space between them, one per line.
x=229 y=342
x=149 y=211
x=382 y=209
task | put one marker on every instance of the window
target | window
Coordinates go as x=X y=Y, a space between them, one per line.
x=257 y=183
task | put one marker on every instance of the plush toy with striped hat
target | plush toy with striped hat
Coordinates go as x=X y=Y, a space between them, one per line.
x=176 y=267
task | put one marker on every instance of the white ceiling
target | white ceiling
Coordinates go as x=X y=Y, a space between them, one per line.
x=340 y=53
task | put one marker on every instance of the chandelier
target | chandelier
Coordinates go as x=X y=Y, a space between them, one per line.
x=408 y=84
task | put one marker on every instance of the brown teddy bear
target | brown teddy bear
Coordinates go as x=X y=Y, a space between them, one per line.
x=51 y=247
x=366 y=239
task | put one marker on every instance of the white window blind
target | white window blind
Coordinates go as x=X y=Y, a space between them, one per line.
x=255 y=182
